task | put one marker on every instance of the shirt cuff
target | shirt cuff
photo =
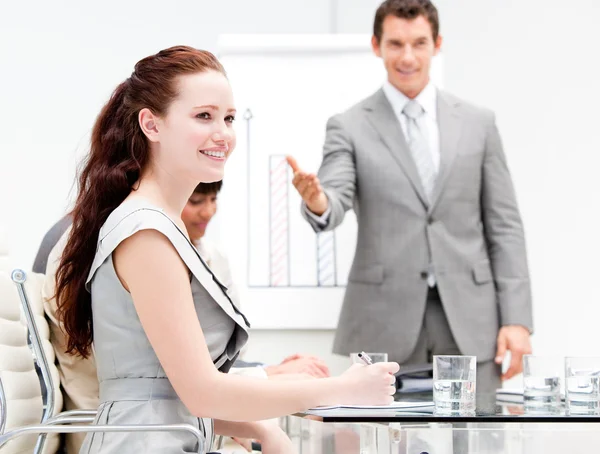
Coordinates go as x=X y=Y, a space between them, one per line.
x=320 y=220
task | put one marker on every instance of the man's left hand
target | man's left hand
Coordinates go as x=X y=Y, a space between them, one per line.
x=513 y=338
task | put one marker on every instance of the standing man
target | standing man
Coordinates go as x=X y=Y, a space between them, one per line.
x=440 y=264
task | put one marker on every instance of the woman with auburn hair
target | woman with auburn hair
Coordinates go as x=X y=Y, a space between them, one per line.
x=129 y=281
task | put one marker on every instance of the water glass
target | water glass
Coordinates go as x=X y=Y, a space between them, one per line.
x=375 y=358
x=582 y=385
x=454 y=379
x=541 y=384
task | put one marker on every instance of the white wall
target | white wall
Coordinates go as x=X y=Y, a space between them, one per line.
x=534 y=62
x=60 y=62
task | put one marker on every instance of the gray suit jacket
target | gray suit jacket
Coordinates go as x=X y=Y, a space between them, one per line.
x=471 y=232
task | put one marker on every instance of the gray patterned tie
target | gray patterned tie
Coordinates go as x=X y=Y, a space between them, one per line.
x=419 y=147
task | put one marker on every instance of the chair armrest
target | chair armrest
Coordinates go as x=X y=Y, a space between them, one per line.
x=57 y=419
x=43 y=428
x=2 y=408
x=70 y=420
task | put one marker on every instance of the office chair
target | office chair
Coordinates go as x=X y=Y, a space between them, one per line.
x=70 y=421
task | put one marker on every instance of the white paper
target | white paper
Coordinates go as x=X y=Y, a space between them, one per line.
x=395 y=406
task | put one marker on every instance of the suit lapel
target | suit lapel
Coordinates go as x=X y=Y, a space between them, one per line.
x=449 y=124
x=384 y=120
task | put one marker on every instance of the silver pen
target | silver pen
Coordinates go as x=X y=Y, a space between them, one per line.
x=366 y=358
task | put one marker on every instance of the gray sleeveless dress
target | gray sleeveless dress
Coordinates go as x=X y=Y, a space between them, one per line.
x=134 y=388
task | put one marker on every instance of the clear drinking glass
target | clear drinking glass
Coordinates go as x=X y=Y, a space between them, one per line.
x=454 y=380
x=541 y=384
x=582 y=385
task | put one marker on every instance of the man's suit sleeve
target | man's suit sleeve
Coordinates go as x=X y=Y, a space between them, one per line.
x=504 y=235
x=337 y=175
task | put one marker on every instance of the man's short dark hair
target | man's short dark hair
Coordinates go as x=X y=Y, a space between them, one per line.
x=406 y=9
x=209 y=188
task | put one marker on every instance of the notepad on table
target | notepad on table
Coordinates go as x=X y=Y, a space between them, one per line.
x=395 y=407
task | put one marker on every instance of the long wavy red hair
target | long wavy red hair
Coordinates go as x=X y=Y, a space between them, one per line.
x=118 y=153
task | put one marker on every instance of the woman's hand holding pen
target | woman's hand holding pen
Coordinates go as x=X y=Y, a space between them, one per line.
x=369 y=385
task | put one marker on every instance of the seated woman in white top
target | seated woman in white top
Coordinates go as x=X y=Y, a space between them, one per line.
x=164 y=330
x=197 y=214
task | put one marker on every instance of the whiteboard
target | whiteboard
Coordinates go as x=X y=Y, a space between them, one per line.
x=285 y=89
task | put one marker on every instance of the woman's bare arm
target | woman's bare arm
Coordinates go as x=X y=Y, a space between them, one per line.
x=152 y=271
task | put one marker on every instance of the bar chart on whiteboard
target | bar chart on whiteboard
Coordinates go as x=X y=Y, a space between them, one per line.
x=282 y=250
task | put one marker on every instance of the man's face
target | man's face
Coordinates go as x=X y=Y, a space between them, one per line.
x=198 y=212
x=407 y=47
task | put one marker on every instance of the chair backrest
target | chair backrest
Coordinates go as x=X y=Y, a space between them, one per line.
x=2 y=408
x=21 y=383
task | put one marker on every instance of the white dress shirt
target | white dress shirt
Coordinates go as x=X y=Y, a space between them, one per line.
x=428 y=100
x=219 y=265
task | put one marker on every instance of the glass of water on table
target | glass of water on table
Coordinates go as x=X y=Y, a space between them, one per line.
x=582 y=385
x=541 y=384
x=454 y=380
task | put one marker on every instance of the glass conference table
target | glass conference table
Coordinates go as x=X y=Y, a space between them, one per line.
x=496 y=427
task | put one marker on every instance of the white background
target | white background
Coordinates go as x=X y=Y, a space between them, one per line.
x=534 y=62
